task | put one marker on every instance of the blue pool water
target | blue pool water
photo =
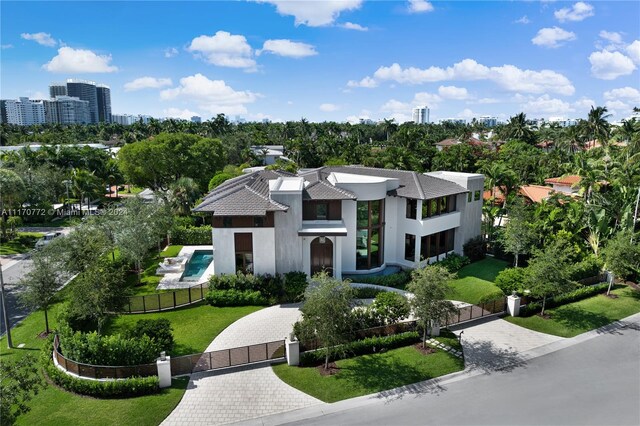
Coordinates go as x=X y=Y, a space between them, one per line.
x=196 y=266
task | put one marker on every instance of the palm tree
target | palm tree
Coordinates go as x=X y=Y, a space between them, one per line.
x=597 y=126
x=389 y=126
x=184 y=193
x=85 y=183
x=518 y=129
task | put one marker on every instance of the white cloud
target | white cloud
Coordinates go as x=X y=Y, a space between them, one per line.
x=633 y=50
x=628 y=94
x=183 y=114
x=429 y=99
x=224 y=50
x=619 y=108
x=70 y=60
x=420 y=6
x=552 y=37
x=367 y=82
x=578 y=12
x=213 y=96
x=43 y=39
x=613 y=37
x=147 y=83
x=419 y=99
x=400 y=117
x=584 y=104
x=170 y=52
x=523 y=20
x=352 y=26
x=453 y=92
x=314 y=13
x=466 y=113
x=486 y=101
x=610 y=65
x=288 y=48
x=508 y=77
x=547 y=105
x=393 y=105
x=329 y=107
x=6 y=46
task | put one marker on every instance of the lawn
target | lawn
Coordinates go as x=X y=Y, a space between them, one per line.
x=24 y=242
x=368 y=374
x=475 y=281
x=148 y=279
x=575 y=318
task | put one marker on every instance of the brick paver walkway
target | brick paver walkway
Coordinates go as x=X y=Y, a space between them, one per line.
x=227 y=396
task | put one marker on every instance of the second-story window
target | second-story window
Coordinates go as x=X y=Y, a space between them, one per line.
x=258 y=221
x=412 y=208
x=322 y=211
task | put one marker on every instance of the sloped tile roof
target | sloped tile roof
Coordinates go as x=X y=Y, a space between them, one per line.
x=536 y=193
x=321 y=190
x=571 y=180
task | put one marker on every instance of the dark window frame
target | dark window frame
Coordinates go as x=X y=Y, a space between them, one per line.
x=372 y=228
x=411 y=208
x=410 y=247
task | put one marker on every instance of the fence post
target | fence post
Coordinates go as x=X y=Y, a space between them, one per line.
x=493 y=311
x=159 y=307
x=144 y=306
x=174 y=299
x=513 y=305
x=248 y=355
x=164 y=370
x=293 y=351
x=201 y=292
x=189 y=291
x=482 y=310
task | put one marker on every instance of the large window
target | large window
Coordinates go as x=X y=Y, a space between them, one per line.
x=243 y=242
x=410 y=247
x=438 y=206
x=370 y=234
x=437 y=245
x=321 y=210
x=412 y=208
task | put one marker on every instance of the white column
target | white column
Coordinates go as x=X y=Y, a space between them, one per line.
x=164 y=371
x=337 y=258
x=513 y=305
x=293 y=351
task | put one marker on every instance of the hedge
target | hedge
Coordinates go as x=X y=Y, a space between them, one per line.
x=191 y=236
x=563 y=299
x=397 y=280
x=122 y=388
x=453 y=262
x=221 y=298
x=475 y=249
x=362 y=347
x=286 y=288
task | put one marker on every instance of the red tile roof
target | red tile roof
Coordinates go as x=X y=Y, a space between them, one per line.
x=571 y=180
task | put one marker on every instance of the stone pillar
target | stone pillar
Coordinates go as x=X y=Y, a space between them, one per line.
x=513 y=305
x=293 y=351
x=164 y=371
x=435 y=329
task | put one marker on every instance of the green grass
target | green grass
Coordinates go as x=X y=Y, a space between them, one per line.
x=64 y=222
x=576 y=318
x=148 y=279
x=368 y=374
x=24 y=242
x=475 y=281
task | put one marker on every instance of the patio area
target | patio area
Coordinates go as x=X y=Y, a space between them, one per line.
x=185 y=270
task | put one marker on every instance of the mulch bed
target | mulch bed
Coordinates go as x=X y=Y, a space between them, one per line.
x=610 y=296
x=43 y=335
x=333 y=369
x=424 y=351
x=545 y=316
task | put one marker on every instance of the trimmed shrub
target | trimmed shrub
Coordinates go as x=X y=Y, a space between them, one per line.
x=475 y=249
x=390 y=307
x=454 y=262
x=218 y=179
x=510 y=280
x=295 y=284
x=234 y=297
x=122 y=388
x=362 y=347
x=563 y=299
x=157 y=329
x=191 y=235
x=397 y=280
x=364 y=318
x=587 y=268
x=273 y=288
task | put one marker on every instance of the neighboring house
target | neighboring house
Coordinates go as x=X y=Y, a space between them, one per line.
x=343 y=219
x=269 y=153
x=566 y=184
x=447 y=143
x=536 y=193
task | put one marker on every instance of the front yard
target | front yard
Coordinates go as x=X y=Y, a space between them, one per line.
x=475 y=281
x=576 y=318
x=22 y=243
x=366 y=374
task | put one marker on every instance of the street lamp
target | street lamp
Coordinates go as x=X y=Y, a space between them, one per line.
x=5 y=315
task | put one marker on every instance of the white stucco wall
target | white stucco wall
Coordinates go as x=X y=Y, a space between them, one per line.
x=337 y=255
x=264 y=253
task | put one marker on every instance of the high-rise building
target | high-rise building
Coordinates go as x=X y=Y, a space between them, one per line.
x=71 y=110
x=25 y=112
x=104 y=103
x=51 y=112
x=196 y=119
x=57 y=89
x=487 y=120
x=86 y=91
x=3 y=111
x=421 y=115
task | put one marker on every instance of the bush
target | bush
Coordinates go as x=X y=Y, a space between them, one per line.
x=219 y=178
x=157 y=329
x=364 y=317
x=390 y=307
x=587 y=268
x=397 y=280
x=563 y=299
x=475 y=249
x=183 y=235
x=238 y=281
x=273 y=288
x=362 y=347
x=295 y=284
x=510 y=280
x=234 y=297
x=123 y=388
x=92 y=348
x=454 y=262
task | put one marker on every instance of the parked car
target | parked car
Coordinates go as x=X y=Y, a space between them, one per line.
x=47 y=239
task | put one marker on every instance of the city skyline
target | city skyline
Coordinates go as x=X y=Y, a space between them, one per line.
x=341 y=62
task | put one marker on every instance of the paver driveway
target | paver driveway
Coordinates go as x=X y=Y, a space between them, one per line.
x=219 y=397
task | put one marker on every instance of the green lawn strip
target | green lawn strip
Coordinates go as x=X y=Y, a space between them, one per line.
x=148 y=279
x=194 y=327
x=576 y=318
x=475 y=281
x=54 y=406
x=368 y=374
x=24 y=242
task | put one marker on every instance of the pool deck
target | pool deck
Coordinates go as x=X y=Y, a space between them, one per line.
x=172 y=281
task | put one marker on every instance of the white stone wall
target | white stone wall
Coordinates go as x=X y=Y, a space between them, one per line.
x=264 y=253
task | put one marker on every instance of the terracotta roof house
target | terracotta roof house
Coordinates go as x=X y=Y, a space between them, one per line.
x=566 y=184
x=446 y=143
x=342 y=219
x=536 y=193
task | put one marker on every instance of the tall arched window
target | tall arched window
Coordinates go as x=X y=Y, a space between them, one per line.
x=370 y=234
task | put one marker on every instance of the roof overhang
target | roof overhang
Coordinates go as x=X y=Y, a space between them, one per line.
x=320 y=228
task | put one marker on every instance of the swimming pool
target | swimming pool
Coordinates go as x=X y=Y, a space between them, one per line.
x=196 y=266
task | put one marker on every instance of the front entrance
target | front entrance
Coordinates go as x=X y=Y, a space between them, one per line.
x=322 y=255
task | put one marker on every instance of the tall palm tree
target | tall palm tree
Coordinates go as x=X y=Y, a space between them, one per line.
x=85 y=184
x=184 y=193
x=518 y=129
x=597 y=126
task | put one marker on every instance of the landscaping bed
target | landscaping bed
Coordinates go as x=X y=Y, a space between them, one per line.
x=576 y=318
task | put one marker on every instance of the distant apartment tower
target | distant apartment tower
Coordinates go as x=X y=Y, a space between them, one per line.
x=25 y=112
x=71 y=110
x=421 y=115
x=123 y=119
x=104 y=103
x=85 y=91
x=57 y=89
x=487 y=120
x=3 y=111
x=196 y=119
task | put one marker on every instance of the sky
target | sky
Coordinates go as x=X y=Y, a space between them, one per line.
x=330 y=60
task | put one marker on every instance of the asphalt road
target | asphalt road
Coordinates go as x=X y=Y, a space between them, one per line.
x=15 y=309
x=596 y=382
